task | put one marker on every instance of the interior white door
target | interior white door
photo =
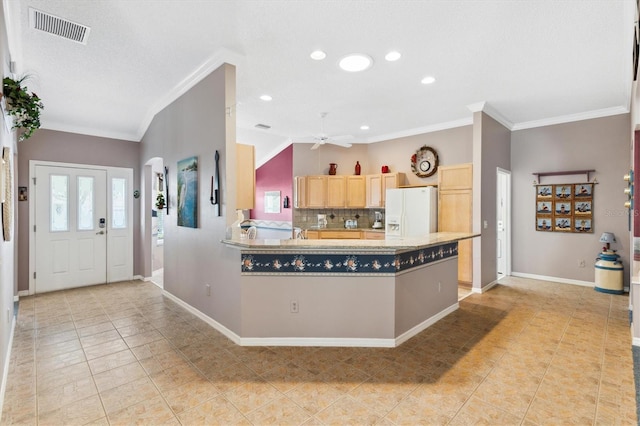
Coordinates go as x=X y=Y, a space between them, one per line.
x=70 y=227
x=503 y=217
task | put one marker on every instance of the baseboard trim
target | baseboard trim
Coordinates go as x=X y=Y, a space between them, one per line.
x=425 y=324
x=313 y=341
x=213 y=323
x=554 y=279
x=7 y=360
x=635 y=341
x=485 y=288
x=23 y=293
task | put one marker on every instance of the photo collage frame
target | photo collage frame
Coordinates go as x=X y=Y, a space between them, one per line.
x=565 y=208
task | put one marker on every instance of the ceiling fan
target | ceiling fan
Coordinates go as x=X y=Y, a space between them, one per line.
x=323 y=138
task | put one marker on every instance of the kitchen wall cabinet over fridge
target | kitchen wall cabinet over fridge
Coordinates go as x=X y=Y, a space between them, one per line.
x=377 y=185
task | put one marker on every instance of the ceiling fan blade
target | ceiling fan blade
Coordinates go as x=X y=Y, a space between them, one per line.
x=339 y=143
x=316 y=145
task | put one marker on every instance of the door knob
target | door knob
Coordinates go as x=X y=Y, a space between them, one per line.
x=100 y=233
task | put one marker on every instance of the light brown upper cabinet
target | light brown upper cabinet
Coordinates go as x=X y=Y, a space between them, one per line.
x=300 y=192
x=377 y=186
x=455 y=212
x=356 y=192
x=316 y=191
x=245 y=177
x=336 y=191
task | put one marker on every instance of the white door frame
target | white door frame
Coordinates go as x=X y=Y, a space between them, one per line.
x=507 y=222
x=123 y=273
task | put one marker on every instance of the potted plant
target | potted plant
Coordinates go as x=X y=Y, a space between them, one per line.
x=160 y=201
x=23 y=106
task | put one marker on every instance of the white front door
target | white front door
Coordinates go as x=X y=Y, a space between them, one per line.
x=70 y=227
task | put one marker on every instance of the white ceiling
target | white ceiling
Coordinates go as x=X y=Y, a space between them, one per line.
x=533 y=63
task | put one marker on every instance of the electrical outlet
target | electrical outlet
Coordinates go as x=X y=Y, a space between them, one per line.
x=582 y=263
x=208 y=289
x=293 y=306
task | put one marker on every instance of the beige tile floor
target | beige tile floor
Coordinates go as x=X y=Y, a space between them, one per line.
x=526 y=352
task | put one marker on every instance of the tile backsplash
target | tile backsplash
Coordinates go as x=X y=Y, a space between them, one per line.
x=307 y=218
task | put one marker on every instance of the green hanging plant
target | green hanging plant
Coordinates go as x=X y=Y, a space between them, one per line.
x=23 y=106
x=160 y=201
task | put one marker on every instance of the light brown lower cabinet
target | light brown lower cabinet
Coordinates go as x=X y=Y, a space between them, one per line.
x=372 y=235
x=338 y=234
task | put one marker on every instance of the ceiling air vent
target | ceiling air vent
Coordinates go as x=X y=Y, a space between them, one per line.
x=58 y=26
x=263 y=126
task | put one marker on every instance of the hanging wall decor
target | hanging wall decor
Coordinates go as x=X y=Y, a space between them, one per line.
x=7 y=194
x=564 y=208
x=188 y=192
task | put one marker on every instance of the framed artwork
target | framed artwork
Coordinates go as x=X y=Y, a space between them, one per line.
x=7 y=194
x=582 y=225
x=543 y=223
x=188 y=192
x=582 y=207
x=545 y=191
x=544 y=207
x=565 y=208
x=272 y=201
x=563 y=192
x=562 y=224
x=562 y=208
x=583 y=190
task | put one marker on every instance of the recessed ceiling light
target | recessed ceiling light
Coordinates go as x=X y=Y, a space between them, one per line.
x=355 y=62
x=392 y=56
x=364 y=127
x=428 y=80
x=266 y=98
x=318 y=55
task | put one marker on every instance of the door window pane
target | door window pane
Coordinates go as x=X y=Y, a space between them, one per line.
x=86 y=203
x=59 y=217
x=118 y=203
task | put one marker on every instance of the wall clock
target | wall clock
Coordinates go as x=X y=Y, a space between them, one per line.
x=424 y=162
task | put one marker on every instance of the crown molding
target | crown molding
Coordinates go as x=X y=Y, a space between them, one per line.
x=63 y=127
x=420 y=130
x=589 y=115
x=491 y=112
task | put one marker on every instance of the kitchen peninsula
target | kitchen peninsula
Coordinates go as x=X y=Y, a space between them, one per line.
x=328 y=292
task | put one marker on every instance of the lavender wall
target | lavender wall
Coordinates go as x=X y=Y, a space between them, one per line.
x=196 y=124
x=602 y=144
x=454 y=146
x=495 y=151
x=51 y=145
x=275 y=175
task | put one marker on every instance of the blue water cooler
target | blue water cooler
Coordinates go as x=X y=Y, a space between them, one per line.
x=609 y=273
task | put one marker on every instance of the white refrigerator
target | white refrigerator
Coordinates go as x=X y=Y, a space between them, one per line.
x=411 y=212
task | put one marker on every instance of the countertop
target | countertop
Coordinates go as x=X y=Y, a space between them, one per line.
x=355 y=244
